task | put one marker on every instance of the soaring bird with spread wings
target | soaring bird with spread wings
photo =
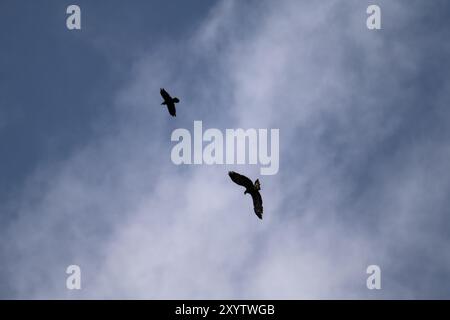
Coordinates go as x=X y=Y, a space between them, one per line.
x=169 y=102
x=251 y=188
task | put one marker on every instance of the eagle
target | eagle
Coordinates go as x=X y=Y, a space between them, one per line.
x=169 y=102
x=250 y=187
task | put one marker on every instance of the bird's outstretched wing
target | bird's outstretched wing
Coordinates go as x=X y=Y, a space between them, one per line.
x=240 y=179
x=257 y=203
x=165 y=95
x=172 y=110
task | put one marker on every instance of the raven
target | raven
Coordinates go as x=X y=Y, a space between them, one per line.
x=251 y=188
x=169 y=102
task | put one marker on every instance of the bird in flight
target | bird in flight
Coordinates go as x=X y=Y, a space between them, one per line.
x=251 y=188
x=169 y=102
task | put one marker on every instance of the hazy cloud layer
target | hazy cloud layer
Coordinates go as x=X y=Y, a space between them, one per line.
x=363 y=179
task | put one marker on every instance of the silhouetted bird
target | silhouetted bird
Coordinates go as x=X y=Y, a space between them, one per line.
x=169 y=102
x=251 y=188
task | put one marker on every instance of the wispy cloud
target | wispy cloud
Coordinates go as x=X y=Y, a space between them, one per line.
x=362 y=180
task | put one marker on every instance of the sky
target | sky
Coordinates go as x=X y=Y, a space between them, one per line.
x=86 y=176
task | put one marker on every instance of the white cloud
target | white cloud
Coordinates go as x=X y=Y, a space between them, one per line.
x=141 y=227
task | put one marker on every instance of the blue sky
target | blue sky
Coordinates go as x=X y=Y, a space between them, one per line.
x=86 y=176
x=55 y=82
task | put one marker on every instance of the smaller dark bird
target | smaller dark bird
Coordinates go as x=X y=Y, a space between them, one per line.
x=169 y=102
x=250 y=187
